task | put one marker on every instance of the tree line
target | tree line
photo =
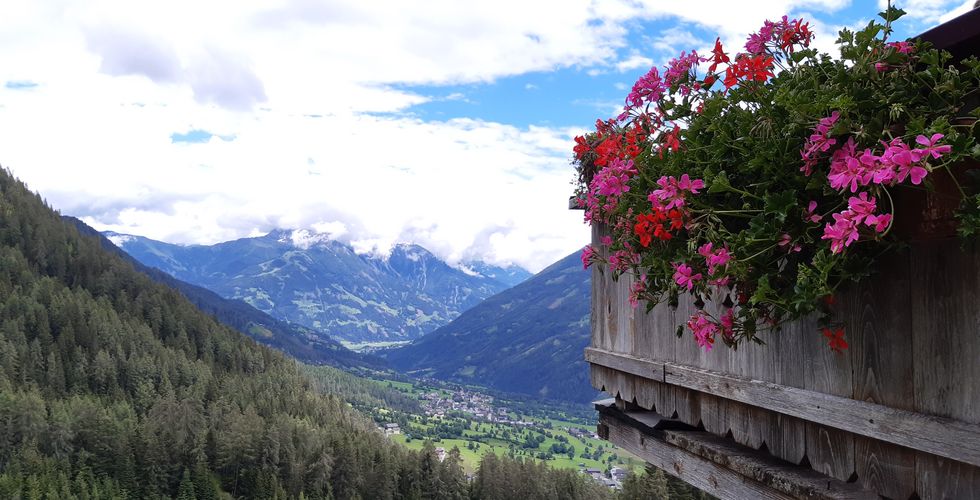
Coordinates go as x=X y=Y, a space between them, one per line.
x=115 y=386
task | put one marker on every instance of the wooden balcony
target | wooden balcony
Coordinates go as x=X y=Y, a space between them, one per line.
x=895 y=415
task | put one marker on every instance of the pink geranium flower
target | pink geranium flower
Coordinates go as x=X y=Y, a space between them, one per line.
x=936 y=151
x=728 y=324
x=636 y=289
x=714 y=258
x=861 y=207
x=811 y=213
x=786 y=242
x=692 y=186
x=902 y=47
x=879 y=222
x=704 y=330
x=842 y=232
x=589 y=255
x=684 y=276
x=671 y=192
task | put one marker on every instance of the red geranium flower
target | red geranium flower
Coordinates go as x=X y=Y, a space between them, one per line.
x=835 y=339
x=719 y=56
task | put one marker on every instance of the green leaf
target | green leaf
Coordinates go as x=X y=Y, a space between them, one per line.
x=778 y=205
x=762 y=292
x=891 y=14
x=720 y=183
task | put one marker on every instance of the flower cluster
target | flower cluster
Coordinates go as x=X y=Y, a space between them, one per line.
x=760 y=198
x=750 y=68
x=649 y=88
x=714 y=259
x=672 y=192
x=851 y=169
x=898 y=161
x=819 y=142
x=846 y=225
x=785 y=35
x=649 y=226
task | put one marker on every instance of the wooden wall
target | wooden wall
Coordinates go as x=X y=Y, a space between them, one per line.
x=898 y=412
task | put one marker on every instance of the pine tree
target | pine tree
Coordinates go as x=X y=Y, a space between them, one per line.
x=186 y=489
x=204 y=487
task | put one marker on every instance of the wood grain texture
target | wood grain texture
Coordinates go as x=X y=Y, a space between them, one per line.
x=945 y=286
x=665 y=343
x=714 y=464
x=829 y=449
x=598 y=313
x=879 y=329
x=939 y=478
x=788 y=438
x=899 y=410
x=686 y=351
x=653 y=370
x=941 y=436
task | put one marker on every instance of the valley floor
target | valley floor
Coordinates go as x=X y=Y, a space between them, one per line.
x=477 y=423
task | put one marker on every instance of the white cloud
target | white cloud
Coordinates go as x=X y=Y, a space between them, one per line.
x=306 y=101
x=929 y=12
x=957 y=11
x=634 y=61
x=676 y=39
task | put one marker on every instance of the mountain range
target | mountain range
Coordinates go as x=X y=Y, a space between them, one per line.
x=300 y=342
x=323 y=284
x=527 y=339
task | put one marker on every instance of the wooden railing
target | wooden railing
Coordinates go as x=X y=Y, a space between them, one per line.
x=898 y=413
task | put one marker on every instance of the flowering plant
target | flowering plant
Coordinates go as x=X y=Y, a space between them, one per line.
x=762 y=181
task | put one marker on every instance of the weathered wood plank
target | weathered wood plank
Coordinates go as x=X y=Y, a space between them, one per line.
x=942 y=436
x=939 y=478
x=945 y=286
x=650 y=369
x=752 y=426
x=796 y=481
x=879 y=328
x=716 y=465
x=686 y=351
x=939 y=435
x=714 y=411
x=788 y=441
x=829 y=449
x=598 y=375
x=620 y=314
x=664 y=326
x=598 y=314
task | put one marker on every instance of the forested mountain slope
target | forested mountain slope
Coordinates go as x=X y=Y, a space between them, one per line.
x=114 y=386
x=527 y=339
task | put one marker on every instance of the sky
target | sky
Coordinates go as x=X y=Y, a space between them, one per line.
x=448 y=124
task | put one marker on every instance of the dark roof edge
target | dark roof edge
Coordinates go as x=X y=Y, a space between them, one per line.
x=960 y=35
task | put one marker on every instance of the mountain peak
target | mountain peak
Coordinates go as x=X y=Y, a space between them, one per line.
x=118 y=239
x=303 y=239
x=411 y=252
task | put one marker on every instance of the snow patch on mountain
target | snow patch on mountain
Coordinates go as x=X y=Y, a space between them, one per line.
x=119 y=240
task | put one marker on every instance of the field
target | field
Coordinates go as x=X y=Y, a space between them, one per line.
x=372 y=346
x=545 y=433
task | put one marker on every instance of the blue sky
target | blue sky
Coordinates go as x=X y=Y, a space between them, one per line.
x=577 y=96
x=443 y=123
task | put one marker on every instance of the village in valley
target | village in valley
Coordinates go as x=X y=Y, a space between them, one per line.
x=474 y=423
